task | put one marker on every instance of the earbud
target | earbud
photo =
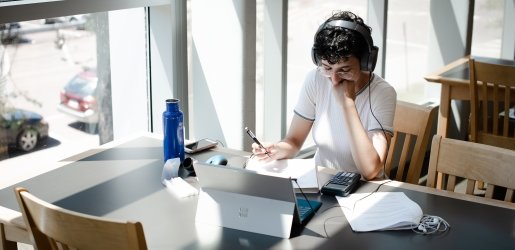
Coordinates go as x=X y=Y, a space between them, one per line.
x=422 y=228
x=434 y=221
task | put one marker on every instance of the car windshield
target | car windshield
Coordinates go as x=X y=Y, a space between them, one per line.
x=82 y=85
x=18 y=114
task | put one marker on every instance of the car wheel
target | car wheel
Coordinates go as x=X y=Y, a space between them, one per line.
x=28 y=139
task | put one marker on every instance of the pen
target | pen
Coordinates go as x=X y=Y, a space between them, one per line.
x=249 y=132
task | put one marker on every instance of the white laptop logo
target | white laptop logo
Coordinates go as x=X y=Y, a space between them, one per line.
x=243 y=212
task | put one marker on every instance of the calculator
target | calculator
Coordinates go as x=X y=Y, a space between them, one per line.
x=341 y=184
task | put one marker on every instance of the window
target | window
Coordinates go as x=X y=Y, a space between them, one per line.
x=91 y=63
x=49 y=87
x=487 y=28
x=407 y=48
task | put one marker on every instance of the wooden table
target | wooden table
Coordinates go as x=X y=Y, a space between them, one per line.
x=455 y=82
x=122 y=181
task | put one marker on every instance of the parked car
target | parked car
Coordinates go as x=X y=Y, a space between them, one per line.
x=76 y=20
x=63 y=19
x=22 y=129
x=10 y=34
x=78 y=97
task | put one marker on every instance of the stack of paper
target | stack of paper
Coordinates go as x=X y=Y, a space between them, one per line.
x=180 y=188
x=380 y=211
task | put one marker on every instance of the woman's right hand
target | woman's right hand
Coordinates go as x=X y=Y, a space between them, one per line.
x=265 y=153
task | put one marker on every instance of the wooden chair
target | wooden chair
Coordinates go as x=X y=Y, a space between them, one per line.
x=452 y=158
x=491 y=86
x=53 y=227
x=412 y=123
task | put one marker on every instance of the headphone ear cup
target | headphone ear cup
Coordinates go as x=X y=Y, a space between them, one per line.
x=369 y=59
x=364 y=61
x=313 y=56
x=372 y=59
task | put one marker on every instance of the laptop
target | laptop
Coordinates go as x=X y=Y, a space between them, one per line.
x=244 y=200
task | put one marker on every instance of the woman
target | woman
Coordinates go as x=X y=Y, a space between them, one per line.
x=348 y=108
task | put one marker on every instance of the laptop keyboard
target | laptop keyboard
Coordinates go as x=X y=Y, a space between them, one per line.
x=304 y=207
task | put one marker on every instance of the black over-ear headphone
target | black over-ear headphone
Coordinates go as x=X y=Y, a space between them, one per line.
x=369 y=58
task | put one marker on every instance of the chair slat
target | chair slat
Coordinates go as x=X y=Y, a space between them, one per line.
x=389 y=160
x=489 y=191
x=506 y=119
x=471 y=184
x=451 y=183
x=403 y=157
x=484 y=105
x=439 y=181
x=495 y=118
x=509 y=195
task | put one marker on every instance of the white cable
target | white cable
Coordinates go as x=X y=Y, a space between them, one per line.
x=430 y=224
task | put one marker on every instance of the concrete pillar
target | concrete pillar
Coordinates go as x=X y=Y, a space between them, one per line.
x=377 y=19
x=508 y=32
x=449 y=40
x=275 y=24
x=223 y=61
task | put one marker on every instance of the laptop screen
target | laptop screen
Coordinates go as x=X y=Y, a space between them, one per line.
x=245 y=200
x=241 y=181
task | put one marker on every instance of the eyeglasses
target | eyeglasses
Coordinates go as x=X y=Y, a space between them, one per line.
x=329 y=73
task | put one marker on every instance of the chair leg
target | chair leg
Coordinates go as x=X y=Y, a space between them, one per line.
x=4 y=243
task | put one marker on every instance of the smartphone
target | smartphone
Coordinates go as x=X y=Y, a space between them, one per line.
x=199 y=145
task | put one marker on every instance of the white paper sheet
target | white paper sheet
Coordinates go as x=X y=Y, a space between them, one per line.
x=380 y=211
x=180 y=188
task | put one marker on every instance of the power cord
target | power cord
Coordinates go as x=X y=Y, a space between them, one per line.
x=219 y=142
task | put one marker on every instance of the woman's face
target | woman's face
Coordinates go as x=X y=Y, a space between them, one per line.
x=346 y=70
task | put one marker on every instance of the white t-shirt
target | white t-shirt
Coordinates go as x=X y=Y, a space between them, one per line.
x=317 y=103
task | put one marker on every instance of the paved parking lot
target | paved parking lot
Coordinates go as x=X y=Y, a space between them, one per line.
x=38 y=72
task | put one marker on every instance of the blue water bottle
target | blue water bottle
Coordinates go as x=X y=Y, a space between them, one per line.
x=173 y=142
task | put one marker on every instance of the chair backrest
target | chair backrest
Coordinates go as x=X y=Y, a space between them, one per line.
x=412 y=123
x=52 y=226
x=491 y=89
x=472 y=161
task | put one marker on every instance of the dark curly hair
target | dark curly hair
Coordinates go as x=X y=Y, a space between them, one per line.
x=333 y=43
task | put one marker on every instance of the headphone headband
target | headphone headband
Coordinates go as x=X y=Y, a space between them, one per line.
x=368 y=60
x=364 y=32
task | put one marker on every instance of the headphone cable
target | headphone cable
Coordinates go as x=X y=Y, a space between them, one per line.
x=377 y=120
